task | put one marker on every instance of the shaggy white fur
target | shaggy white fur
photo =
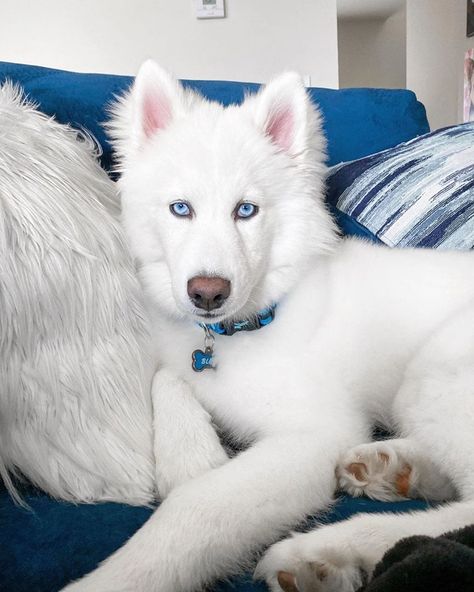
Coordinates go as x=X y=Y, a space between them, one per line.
x=75 y=412
x=362 y=333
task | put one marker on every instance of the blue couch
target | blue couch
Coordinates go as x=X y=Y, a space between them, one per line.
x=53 y=542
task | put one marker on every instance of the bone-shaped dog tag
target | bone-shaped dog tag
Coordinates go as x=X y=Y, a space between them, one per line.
x=202 y=359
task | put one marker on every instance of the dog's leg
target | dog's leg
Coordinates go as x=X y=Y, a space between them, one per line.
x=213 y=525
x=185 y=441
x=393 y=470
x=339 y=557
x=435 y=411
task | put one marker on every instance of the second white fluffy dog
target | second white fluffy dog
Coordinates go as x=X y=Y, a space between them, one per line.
x=225 y=213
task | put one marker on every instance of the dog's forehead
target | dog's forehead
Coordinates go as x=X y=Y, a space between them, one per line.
x=213 y=151
x=214 y=124
x=216 y=138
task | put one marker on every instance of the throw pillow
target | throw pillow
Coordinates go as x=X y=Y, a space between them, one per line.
x=418 y=194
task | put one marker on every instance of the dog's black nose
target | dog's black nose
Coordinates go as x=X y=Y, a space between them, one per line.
x=208 y=293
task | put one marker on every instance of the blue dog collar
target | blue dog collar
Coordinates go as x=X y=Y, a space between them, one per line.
x=202 y=359
x=261 y=319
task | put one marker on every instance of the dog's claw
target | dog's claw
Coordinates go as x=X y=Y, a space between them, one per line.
x=287 y=581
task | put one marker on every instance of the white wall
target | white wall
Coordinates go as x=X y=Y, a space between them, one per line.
x=368 y=9
x=436 y=43
x=372 y=51
x=257 y=39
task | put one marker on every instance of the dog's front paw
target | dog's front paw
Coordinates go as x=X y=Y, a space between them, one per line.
x=298 y=565
x=378 y=470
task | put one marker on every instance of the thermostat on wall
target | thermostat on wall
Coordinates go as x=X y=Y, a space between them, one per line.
x=210 y=9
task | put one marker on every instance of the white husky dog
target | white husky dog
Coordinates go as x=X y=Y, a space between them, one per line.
x=224 y=209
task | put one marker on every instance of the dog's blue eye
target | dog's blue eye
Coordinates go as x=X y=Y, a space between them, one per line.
x=181 y=209
x=246 y=210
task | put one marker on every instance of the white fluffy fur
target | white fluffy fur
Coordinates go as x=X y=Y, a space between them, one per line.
x=74 y=366
x=362 y=334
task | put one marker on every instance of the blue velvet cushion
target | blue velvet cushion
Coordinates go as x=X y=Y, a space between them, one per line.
x=418 y=194
x=357 y=121
x=55 y=542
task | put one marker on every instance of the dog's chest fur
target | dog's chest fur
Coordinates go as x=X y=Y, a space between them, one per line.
x=341 y=331
x=259 y=377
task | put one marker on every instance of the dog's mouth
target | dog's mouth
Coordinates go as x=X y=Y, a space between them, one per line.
x=206 y=315
x=220 y=315
x=209 y=318
x=199 y=315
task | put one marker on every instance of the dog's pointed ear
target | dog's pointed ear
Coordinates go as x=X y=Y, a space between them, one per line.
x=283 y=112
x=154 y=100
x=157 y=99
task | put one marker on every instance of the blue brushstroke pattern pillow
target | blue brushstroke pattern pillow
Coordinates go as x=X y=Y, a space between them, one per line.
x=418 y=194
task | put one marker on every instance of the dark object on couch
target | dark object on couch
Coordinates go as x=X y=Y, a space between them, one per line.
x=426 y=564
